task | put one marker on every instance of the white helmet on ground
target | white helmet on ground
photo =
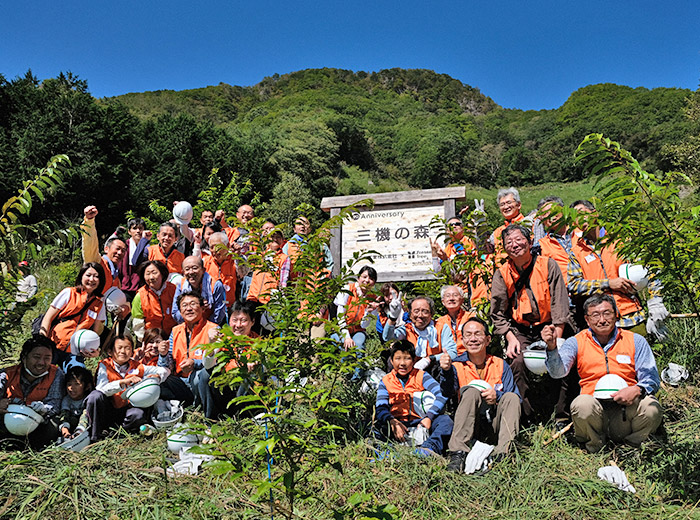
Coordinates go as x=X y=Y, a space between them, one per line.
x=608 y=385
x=85 y=342
x=182 y=212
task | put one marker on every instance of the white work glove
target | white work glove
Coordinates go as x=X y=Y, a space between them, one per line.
x=39 y=407
x=420 y=435
x=657 y=314
x=394 y=310
x=478 y=457
x=616 y=477
x=209 y=360
x=422 y=364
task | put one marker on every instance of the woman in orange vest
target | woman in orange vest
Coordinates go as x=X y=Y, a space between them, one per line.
x=152 y=305
x=353 y=304
x=75 y=308
x=36 y=383
x=106 y=406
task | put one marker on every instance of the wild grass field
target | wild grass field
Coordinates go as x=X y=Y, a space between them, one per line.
x=123 y=476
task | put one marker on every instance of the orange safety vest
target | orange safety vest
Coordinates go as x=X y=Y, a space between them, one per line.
x=551 y=248
x=13 y=388
x=225 y=272
x=232 y=233
x=355 y=309
x=412 y=337
x=263 y=283
x=200 y=336
x=173 y=261
x=493 y=372
x=157 y=309
x=110 y=281
x=462 y=318
x=500 y=252
x=599 y=266
x=467 y=244
x=593 y=362
x=61 y=332
x=135 y=368
x=523 y=309
x=245 y=348
x=400 y=396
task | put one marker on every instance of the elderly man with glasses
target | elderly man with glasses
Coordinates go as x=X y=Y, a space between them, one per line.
x=630 y=414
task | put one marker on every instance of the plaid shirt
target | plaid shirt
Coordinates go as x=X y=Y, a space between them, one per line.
x=580 y=286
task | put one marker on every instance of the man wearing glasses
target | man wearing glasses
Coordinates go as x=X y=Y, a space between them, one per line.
x=509 y=205
x=632 y=413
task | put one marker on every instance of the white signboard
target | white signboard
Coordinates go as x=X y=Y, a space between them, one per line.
x=401 y=236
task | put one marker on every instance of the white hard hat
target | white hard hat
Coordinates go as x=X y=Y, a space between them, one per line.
x=78 y=443
x=182 y=212
x=114 y=299
x=144 y=394
x=479 y=384
x=608 y=385
x=167 y=419
x=175 y=279
x=267 y=322
x=21 y=419
x=422 y=402
x=372 y=379
x=534 y=361
x=637 y=273
x=181 y=438
x=85 y=342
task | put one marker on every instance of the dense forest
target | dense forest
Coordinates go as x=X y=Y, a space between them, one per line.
x=311 y=134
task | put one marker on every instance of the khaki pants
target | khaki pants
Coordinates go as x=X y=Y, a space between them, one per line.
x=469 y=422
x=594 y=421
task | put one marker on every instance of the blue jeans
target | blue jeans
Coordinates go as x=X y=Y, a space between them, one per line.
x=440 y=432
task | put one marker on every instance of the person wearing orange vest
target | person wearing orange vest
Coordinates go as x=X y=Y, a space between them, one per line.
x=529 y=292
x=152 y=305
x=197 y=280
x=352 y=305
x=420 y=331
x=36 y=383
x=264 y=282
x=557 y=242
x=459 y=245
x=114 y=249
x=75 y=308
x=492 y=414
x=302 y=228
x=166 y=251
x=221 y=266
x=106 y=405
x=394 y=405
x=186 y=355
x=215 y=401
x=509 y=204
x=594 y=270
x=449 y=326
x=633 y=413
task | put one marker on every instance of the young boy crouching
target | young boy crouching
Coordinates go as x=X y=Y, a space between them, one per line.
x=395 y=409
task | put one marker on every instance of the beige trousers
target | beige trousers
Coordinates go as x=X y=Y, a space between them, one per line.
x=468 y=421
x=594 y=421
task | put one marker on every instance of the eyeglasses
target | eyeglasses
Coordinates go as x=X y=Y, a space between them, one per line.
x=598 y=315
x=192 y=305
x=477 y=335
x=455 y=224
x=420 y=312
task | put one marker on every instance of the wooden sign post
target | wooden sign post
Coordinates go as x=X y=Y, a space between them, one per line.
x=398 y=228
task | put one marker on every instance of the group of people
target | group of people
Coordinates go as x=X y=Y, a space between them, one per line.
x=554 y=292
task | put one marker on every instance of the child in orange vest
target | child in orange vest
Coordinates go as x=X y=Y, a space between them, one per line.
x=106 y=405
x=395 y=410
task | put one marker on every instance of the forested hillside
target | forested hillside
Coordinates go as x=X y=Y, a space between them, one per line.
x=311 y=134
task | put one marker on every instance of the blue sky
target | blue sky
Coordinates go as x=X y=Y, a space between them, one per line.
x=528 y=55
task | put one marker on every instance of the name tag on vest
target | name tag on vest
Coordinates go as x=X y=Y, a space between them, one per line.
x=92 y=314
x=590 y=258
x=623 y=359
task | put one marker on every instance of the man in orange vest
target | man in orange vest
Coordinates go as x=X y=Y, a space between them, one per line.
x=633 y=412
x=528 y=292
x=115 y=249
x=509 y=205
x=37 y=383
x=556 y=243
x=166 y=251
x=489 y=413
x=221 y=266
